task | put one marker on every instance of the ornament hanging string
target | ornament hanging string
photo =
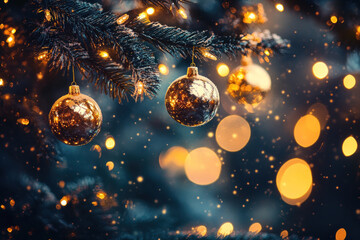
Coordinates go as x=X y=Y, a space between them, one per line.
x=73 y=73
x=193 y=56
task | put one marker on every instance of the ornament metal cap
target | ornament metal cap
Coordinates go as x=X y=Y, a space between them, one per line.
x=74 y=90
x=192 y=71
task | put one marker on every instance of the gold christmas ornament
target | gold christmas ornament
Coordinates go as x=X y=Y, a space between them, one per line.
x=192 y=99
x=75 y=119
x=248 y=84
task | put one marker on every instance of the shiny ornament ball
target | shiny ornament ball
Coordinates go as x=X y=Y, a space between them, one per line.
x=75 y=119
x=249 y=84
x=192 y=100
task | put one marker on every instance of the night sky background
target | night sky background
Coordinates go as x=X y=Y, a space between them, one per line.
x=168 y=201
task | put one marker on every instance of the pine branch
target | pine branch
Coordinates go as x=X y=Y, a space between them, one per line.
x=166 y=4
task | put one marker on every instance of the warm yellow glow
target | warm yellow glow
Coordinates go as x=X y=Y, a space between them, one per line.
x=320 y=70
x=284 y=234
x=47 y=15
x=23 y=121
x=11 y=41
x=333 y=19
x=104 y=54
x=110 y=165
x=294 y=181
x=140 y=179
x=255 y=228
x=140 y=88
x=279 y=7
x=63 y=201
x=349 y=146
x=142 y=15
x=200 y=231
x=202 y=166
x=252 y=16
x=1 y=82
x=101 y=195
x=174 y=158
x=307 y=130
x=225 y=230
x=182 y=13
x=320 y=111
x=209 y=55
x=340 y=234
x=110 y=143
x=163 y=69
x=122 y=19
x=150 y=11
x=223 y=69
x=349 y=81
x=233 y=133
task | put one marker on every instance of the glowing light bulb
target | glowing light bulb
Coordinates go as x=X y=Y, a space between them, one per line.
x=225 y=229
x=142 y=15
x=150 y=11
x=122 y=19
x=110 y=143
x=320 y=70
x=64 y=201
x=182 y=13
x=294 y=181
x=307 y=130
x=279 y=7
x=104 y=54
x=349 y=146
x=349 y=81
x=2 y=82
x=223 y=69
x=163 y=69
x=208 y=55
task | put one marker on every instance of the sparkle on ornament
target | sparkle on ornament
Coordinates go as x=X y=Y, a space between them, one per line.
x=225 y=229
x=150 y=11
x=110 y=142
x=223 y=69
x=202 y=166
x=349 y=81
x=349 y=146
x=279 y=7
x=163 y=69
x=320 y=70
x=307 y=130
x=294 y=181
x=233 y=133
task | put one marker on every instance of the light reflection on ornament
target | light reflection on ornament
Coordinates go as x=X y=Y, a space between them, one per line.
x=294 y=181
x=233 y=133
x=110 y=142
x=340 y=234
x=255 y=228
x=307 y=130
x=163 y=69
x=320 y=70
x=225 y=230
x=202 y=166
x=110 y=165
x=349 y=146
x=222 y=69
x=349 y=81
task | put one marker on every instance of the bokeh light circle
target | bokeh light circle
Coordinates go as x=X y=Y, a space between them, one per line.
x=294 y=181
x=233 y=133
x=307 y=130
x=340 y=234
x=349 y=146
x=320 y=70
x=349 y=81
x=174 y=158
x=225 y=229
x=255 y=228
x=202 y=166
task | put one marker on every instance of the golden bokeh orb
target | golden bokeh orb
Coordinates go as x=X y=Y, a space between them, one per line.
x=202 y=166
x=223 y=69
x=150 y=11
x=225 y=229
x=200 y=231
x=307 y=130
x=320 y=70
x=340 y=234
x=294 y=181
x=255 y=228
x=233 y=133
x=349 y=146
x=349 y=81
x=110 y=143
x=279 y=7
x=174 y=158
x=110 y=165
